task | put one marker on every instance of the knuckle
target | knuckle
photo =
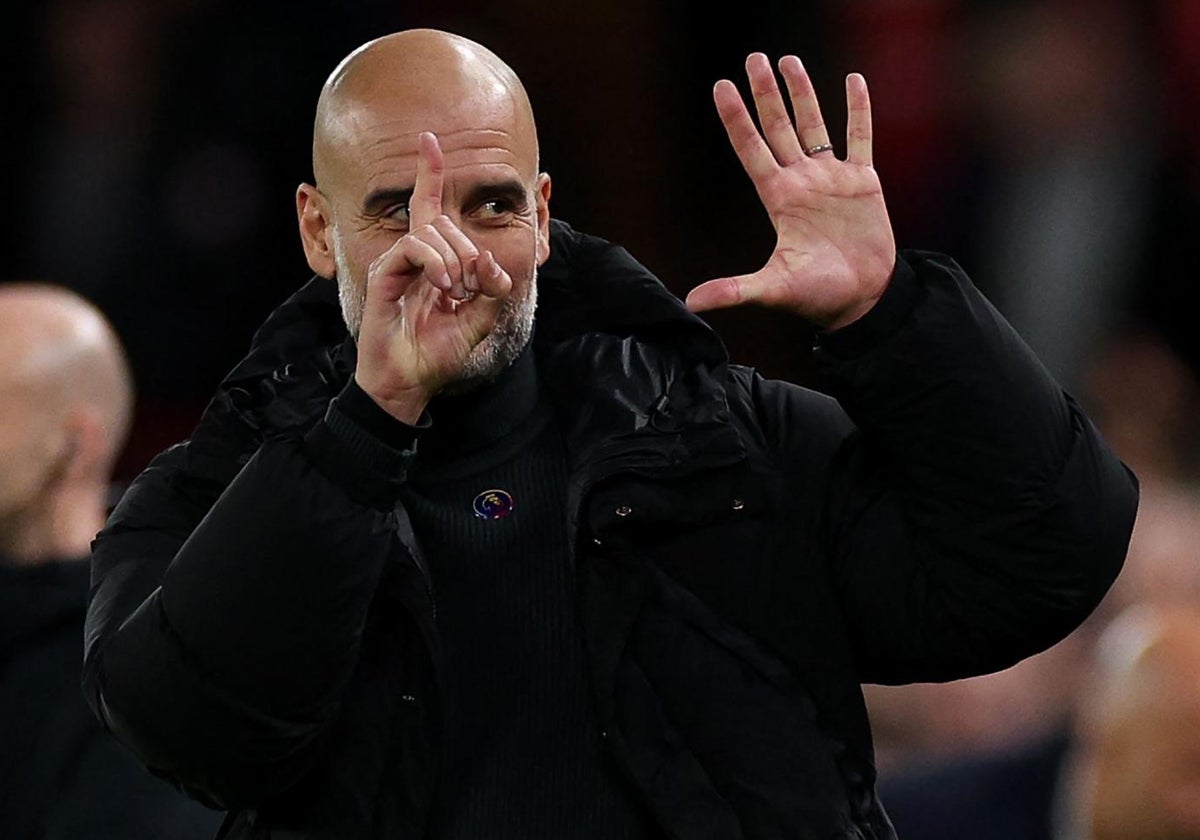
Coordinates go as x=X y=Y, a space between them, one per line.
x=778 y=123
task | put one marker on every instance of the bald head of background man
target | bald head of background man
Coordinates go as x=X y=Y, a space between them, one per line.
x=67 y=394
x=1135 y=769
x=370 y=115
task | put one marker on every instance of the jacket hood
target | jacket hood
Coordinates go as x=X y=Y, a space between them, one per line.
x=302 y=355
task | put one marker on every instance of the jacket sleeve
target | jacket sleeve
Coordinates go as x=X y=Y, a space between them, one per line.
x=972 y=514
x=224 y=623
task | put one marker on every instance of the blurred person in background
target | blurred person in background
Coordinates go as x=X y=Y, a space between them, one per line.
x=147 y=161
x=1133 y=768
x=65 y=403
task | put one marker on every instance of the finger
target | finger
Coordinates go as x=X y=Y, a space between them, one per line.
x=494 y=281
x=809 y=123
x=773 y=116
x=858 y=121
x=426 y=202
x=464 y=253
x=752 y=151
x=410 y=258
x=481 y=312
x=431 y=235
x=719 y=294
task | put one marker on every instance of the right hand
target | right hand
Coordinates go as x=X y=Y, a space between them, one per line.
x=431 y=299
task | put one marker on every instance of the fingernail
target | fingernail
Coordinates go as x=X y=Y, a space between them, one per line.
x=446 y=284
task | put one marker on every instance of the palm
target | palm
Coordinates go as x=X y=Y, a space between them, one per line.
x=429 y=340
x=834 y=251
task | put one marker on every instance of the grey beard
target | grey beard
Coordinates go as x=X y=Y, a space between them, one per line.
x=512 y=331
x=352 y=296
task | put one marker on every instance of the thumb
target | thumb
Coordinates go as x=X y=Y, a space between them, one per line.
x=721 y=293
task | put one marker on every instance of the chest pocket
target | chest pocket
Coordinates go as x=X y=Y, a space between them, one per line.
x=720 y=535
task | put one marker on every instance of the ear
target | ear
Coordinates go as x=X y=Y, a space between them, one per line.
x=542 y=197
x=313 y=215
x=87 y=452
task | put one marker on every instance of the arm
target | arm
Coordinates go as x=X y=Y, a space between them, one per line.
x=225 y=622
x=219 y=640
x=973 y=516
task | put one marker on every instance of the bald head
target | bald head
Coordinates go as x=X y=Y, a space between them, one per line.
x=1140 y=729
x=417 y=80
x=67 y=396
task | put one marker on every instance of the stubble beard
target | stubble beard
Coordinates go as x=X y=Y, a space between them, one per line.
x=509 y=336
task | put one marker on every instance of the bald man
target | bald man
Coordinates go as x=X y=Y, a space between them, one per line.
x=1134 y=769
x=66 y=392
x=431 y=566
x=66 y=395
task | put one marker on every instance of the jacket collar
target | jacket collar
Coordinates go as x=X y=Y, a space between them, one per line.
x=628 y=367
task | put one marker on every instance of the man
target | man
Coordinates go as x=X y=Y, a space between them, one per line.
x=66 y=395
x=1134 y=770
x=438 y=578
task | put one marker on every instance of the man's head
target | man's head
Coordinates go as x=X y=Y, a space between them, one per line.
x=369 y=116
x=67 y=396
x=1136 y=768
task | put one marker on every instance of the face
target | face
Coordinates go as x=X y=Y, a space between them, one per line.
x=491 y=191
x=34 y=456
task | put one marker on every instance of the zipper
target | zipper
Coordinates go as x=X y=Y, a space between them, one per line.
x=408 y=539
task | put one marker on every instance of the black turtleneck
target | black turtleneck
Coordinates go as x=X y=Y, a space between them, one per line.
x=524 y=751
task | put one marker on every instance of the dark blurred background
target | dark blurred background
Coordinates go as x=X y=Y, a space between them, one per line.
x=153 y=148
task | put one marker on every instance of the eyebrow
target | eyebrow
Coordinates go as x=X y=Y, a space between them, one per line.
x=509 y=188
x=381 y=199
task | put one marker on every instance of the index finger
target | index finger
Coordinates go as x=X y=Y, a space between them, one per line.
x=426 y=202
x=757 y=159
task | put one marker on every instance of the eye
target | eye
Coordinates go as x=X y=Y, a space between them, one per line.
x=495 y=208
x=397 y=213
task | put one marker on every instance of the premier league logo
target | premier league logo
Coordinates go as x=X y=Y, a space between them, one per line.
x=493 y=504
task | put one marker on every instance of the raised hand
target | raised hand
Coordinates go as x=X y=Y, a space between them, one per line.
x=431 y=299
x=835 y=251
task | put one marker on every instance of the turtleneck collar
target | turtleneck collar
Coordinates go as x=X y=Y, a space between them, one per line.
x=465 y=425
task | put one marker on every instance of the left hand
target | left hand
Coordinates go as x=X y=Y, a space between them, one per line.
x=835 y=251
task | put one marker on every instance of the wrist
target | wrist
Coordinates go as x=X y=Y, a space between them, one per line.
x=404 y=404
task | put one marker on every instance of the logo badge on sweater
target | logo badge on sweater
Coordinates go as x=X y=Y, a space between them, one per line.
x=493 y=504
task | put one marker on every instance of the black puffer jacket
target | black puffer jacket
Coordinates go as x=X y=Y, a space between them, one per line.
x=262 y=626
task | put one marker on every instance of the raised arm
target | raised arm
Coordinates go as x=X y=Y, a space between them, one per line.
x=973 y=515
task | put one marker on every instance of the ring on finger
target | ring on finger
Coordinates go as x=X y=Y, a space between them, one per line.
x=817 y=149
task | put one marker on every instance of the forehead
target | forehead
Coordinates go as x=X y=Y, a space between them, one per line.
x=376 y=148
